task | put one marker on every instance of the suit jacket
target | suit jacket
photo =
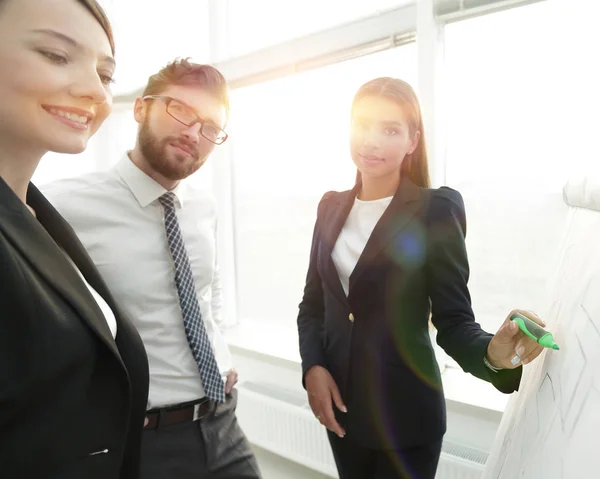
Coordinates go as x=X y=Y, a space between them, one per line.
x=375 y=341
x=72 y=398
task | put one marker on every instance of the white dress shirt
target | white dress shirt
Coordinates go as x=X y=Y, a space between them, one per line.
x=118 y=218
x=353 y=238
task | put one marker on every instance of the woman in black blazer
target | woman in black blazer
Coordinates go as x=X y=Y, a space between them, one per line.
x=73 y=370
x=386 y=255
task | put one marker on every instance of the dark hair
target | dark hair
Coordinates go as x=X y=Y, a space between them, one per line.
x=99 y=14
x=185 y=72
x=415 y=165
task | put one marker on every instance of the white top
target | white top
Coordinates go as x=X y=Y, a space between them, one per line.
x=357 y=230
x=109 y=316
x=120 y=221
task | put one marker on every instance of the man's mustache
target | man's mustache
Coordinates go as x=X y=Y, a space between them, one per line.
x=184 y=145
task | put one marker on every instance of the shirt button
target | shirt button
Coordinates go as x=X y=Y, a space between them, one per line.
x=351 y=317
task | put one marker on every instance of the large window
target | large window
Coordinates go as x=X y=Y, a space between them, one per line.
x=257 y=24
x=290 y=146
x=510 y=144
x=149 y=34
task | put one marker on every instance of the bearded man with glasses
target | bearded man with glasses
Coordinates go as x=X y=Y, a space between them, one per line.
x=153 y=238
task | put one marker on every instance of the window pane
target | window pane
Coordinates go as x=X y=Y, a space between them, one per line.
x=290 y=145
x=510 y=147
x=105 y=148
x=55 y=166
x=148 y=35
x=255 y=24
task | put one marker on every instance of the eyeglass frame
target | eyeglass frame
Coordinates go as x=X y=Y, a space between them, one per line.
x=168 y=99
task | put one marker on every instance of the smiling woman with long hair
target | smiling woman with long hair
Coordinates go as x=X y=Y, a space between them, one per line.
x=73 y=370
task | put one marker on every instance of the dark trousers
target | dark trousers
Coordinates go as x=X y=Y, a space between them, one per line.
x=354 y=461
x=213 y=447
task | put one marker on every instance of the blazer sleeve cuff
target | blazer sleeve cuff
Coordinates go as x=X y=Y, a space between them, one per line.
x=507 y=380
x=504 y=380
x=306 y=365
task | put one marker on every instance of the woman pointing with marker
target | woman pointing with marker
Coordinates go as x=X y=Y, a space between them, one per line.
x=386 y=255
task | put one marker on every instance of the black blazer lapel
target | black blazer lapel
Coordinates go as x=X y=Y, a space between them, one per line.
x=39 y=239
x=333 y=222
x=405 y=204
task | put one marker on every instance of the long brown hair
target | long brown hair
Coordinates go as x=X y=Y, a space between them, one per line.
x=415 y=166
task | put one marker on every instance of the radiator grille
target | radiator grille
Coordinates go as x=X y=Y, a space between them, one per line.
x=281 y=421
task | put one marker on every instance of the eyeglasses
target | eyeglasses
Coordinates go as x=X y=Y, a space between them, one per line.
x=188 y=117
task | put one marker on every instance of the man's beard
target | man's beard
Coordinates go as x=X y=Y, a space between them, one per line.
x=154 y=151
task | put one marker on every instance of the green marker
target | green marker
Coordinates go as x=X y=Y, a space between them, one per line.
x=534 y=331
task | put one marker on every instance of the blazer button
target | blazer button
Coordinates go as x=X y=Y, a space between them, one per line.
x=351 y=317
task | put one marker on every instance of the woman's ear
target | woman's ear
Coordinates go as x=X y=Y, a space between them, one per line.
x=415 y=141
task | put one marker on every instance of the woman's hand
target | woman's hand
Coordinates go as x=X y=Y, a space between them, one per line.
x=322 y=393
x=510 y=347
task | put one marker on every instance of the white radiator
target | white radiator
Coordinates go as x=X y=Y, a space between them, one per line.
x=281 y=421
x=460 y=462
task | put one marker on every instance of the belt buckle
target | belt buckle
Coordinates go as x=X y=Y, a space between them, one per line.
x=197 y=414
x=158 y=416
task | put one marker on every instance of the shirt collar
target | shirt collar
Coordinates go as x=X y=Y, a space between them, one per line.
x=145 y=189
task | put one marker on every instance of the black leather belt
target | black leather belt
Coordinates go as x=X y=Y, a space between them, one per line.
x=186 y=412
